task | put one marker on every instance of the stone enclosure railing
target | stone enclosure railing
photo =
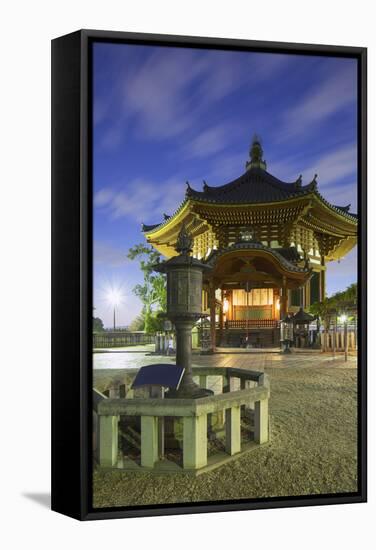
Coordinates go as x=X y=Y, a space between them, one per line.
x=195 y=414
x=335 y=341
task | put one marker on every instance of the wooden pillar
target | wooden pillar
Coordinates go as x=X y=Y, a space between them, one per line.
x=323 y=280
x=283 y=303
x=261 y=421
x=212 y=316
x=221 y=322
x=230 y=315
x=307 y=292
x=195 y=442
x=108 y=440
x=233 y=436
x=276 y=297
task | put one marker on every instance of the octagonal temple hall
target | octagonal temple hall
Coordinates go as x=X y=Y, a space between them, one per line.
x=267 y=242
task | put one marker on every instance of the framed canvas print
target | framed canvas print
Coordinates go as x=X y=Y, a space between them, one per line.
x=209 y=274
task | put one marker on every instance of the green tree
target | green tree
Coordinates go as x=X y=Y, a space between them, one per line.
x=336 y=303
x=137 y=324
x=97 y=324
x=152 y=292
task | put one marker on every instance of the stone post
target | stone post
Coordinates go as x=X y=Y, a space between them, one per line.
x=149 y=441
x=108 y=440
x=195 y=443
x=261 y=421
x=203 y=380
x=233 y=436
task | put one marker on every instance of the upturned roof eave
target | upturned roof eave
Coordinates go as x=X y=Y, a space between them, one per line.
x=200 y=198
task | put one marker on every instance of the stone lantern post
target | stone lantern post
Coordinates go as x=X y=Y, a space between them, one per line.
x=184 y=295
x=287 y=333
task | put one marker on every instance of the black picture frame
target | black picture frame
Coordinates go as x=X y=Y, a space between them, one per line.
x=72 y=279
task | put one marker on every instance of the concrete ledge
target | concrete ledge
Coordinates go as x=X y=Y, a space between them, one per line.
x=181 y=407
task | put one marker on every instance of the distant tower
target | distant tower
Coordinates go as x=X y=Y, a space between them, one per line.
x=256 y=154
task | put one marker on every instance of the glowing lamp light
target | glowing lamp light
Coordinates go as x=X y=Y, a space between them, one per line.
x=114 y=297
x=278 y=305
x=225 y=305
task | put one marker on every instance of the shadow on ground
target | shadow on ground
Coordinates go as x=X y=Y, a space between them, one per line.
x=43 y=499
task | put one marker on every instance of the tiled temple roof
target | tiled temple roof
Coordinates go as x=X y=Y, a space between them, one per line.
x=254 y=186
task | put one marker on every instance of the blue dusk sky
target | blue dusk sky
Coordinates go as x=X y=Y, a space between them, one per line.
x=165 y=115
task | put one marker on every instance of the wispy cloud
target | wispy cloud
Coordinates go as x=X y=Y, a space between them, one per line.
x=331 y=167
x=337 y=172
x=225 y=168
x=170 y=93
x=108 y=255
x=328 y=97
x=210 y=141
x=335 y=165
x=142 y=201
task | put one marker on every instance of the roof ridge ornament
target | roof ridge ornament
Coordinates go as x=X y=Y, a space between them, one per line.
x=189 y=189
x=298 y=182
x=345 y=208
x=313 y=184
x=205 y=185
x=184 y=242
x=256 y=153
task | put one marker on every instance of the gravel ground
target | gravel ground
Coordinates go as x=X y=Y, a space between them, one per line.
x=313 y=448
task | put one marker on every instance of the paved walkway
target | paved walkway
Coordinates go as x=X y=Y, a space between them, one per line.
x=261 y=361
x=134 y=358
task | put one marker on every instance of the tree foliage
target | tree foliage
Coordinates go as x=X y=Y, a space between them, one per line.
x=97 y=324
x=137 y=324
x=152 y=292
x=337 y=303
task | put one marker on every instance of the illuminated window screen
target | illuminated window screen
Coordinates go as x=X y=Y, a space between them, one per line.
x=257 y=297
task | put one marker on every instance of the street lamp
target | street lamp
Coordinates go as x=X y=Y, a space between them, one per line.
x=114 y=298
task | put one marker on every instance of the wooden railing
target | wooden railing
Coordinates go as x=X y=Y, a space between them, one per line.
x=251 y=323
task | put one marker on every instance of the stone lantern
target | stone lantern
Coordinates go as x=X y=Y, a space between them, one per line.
x=287 y=333
x=184 y=295
x=302 y=321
